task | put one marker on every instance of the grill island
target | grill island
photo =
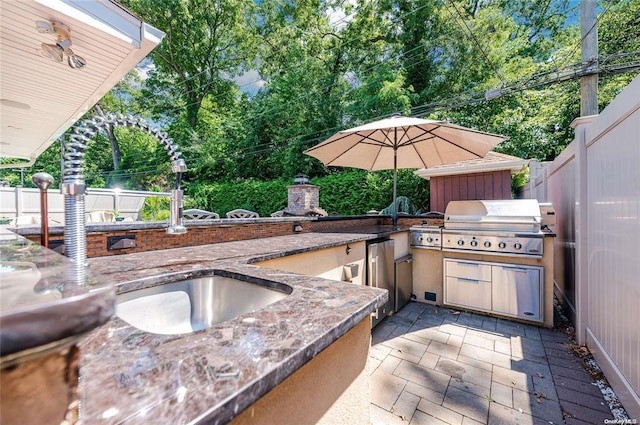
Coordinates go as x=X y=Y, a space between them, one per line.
x=495 y=256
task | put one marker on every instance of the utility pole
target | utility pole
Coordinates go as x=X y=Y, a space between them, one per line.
x=589 y=45
x=588 y=107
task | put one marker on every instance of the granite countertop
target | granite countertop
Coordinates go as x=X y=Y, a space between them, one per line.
x=130 y=376
x=37 y=311
x=125 y=226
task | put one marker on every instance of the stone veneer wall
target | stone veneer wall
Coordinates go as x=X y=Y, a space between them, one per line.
x=226 y=231
x=302 y=198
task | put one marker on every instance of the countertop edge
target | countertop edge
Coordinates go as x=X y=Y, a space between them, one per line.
x=187 y=261
x=234 y=405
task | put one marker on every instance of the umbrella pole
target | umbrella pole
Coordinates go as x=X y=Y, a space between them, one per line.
x=395 y=206
x=394 y=219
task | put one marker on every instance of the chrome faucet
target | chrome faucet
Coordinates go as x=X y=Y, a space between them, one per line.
x=175 y=211
x=73 y=186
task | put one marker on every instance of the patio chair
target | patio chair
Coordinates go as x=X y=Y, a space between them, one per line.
x=241 y=213
x=25 y=220
x=100 y=217
x=196 y=214
x=316 y=212
x=278 y=214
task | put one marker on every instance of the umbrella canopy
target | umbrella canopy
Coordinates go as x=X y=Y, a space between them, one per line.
x=403 y=142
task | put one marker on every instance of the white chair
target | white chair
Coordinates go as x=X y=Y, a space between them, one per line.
x=100 y=217
x=240 y=213
x=196 y=214
x=25 y=220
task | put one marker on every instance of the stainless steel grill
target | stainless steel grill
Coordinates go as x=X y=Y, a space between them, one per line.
x=429 y=237
x=500 y=227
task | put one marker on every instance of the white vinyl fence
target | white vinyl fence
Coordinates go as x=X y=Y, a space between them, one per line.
x=594 y=186
x=25 y=202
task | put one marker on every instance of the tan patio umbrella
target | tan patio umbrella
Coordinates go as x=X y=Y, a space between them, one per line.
x=403 y=142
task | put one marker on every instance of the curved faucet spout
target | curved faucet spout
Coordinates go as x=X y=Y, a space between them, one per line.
x=73 y=186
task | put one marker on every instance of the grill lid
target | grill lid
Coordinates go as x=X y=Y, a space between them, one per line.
x=511 y=215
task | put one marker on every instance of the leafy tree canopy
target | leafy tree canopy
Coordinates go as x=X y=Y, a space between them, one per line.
x=245 y=87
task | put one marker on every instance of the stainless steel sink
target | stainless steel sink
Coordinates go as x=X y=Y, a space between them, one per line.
x=191 y=305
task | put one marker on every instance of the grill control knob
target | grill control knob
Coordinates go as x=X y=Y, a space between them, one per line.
x=460 y=242
x=487 y=244
x=517 y=245
x=429 y=239
x=474 y=243
x=502 y=245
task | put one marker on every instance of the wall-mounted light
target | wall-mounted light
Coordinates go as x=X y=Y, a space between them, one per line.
x=297 y=228
x=348 y=249
x=56 y=52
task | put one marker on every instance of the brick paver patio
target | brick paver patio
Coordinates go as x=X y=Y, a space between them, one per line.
x=433 y=365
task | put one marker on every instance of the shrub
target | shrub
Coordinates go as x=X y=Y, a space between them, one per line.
x=350 y=192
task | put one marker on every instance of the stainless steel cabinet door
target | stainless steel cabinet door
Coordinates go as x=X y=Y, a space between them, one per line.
x=380 y=274
x=517 y=291
x=403 y=281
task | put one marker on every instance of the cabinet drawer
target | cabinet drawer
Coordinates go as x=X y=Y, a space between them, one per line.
x=468 y=270
x=465 y=292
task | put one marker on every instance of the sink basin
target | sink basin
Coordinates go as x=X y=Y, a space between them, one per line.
x=190 y=305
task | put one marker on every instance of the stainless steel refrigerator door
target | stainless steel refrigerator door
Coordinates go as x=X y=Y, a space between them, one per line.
x=403 y=281
x=380 y=274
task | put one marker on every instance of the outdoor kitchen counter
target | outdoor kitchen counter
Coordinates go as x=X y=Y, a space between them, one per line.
x=212 y=375
x=36 y=312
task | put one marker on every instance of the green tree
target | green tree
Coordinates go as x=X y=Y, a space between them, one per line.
x=618 y=34
x=301 y=61
x=207 y=43
x=320 y=74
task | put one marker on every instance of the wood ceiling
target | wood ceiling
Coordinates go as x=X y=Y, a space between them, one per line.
x=40 y=98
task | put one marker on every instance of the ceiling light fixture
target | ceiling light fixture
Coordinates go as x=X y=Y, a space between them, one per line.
x=62 y=47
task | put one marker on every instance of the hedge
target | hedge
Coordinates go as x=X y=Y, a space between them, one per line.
x=352 y=192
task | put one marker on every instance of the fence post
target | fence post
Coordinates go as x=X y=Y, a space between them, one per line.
x=19 y=207
x=545 y=181
x=116 y=200
x=581 y=229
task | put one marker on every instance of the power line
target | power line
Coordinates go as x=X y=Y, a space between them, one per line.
x=421 y=109
x=602 y=64
x=615 y=63
x=595 y=25
x=607 y=64
x=397 y=57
